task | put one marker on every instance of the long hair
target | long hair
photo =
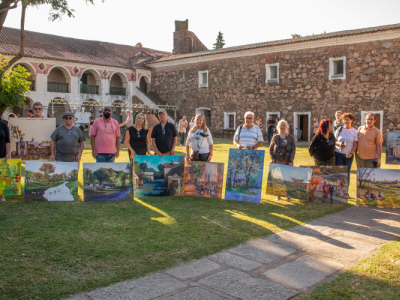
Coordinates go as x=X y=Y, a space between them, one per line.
x=144 y=126
x=278 y=127
x=204 y=127
x=324 y=126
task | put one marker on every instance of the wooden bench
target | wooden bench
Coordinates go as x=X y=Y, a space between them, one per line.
x=228 y=130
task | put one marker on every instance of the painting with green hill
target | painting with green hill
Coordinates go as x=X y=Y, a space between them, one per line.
x=10 y=177
x=52 y=181
x=378 y=187
x=107 y=181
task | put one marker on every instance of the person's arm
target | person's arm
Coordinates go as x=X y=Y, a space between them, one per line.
x=236 y=139
x=379 y=142
x=313 y=145
x=128 y=145
x=211 y=152
x=173 y=146
x=188 y=142
x=117 y=146
x=271 y=150
x=7 y=150
x=52 y=150
x=293 y=153
x=81 y=148
x=148 y=140
x=153 y=142
x=93 y=144
x=258 y=145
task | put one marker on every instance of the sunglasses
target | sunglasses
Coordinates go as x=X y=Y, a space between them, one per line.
x=69 y=118
x=37 y=108
x=138 y=134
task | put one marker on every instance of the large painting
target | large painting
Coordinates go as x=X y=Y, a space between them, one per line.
x=245 y=174
x=30 y=138
x=288 y=181
x=393 y=148
x=204 y=179
x=329 y=184
x=158 y=176
x=378 y=187
x=10 y=177
x=52 y=181
x=107 y=181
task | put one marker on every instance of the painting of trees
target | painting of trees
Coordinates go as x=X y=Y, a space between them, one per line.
x=103 y=174
x=364 y=175
x=47 y=168
x=252 y=164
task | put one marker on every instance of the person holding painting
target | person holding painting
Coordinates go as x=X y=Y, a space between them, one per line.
x=248 y=136
x=164 y=136
x=200 y=140
x=4 y=144
x=137 y=138
x=322 y=147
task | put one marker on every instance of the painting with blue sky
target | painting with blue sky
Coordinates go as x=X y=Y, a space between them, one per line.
x=393 y=148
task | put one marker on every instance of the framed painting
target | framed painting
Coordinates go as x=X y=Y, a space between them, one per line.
x=10 y=177
x=393 y=148
x=204 y=179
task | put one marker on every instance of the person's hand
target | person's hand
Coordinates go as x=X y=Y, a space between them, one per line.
x=349 y=155
x=379 y=164
x=159 y=154
x=272 y=161
x=116 y=154
x=342 y=145
x=239 y=146
x=133 y=153
x=78 y=157
x=209 y=158
x=51 y=158
x=94 y=154
x=290 y=164
x=173 y=152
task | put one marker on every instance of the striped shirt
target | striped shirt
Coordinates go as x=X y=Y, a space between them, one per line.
x=248 y=137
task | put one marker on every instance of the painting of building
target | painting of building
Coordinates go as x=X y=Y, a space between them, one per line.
x=173 y=177
x=10 y=177
x=204 y=179
x=393 y=148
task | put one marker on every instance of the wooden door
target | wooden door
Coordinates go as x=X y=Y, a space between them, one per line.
x=305 y=128
x=378 y=121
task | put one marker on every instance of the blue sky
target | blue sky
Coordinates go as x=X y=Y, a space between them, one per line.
x=388 y=174
x=153 y=161
x=286 y=172
x=114 y=166
x=61 y=167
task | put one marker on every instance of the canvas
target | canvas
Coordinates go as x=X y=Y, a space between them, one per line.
x=393 y=148
x=329 y=184
x=10 y=177
x=52 y=181
x=30 y=138
x=204 y=179
x=378 y=187
x=107 y=181
x=174 y=174
x=288 y=181
x=151 y=178
x=245 y=174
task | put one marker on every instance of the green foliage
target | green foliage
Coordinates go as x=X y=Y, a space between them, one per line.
x=295 y=35
x=220 y=41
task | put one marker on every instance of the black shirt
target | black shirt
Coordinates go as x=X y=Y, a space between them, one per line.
x=321 y=148
x=137 y=140
x=4 y=138
x=164 y=142
x=271 y=124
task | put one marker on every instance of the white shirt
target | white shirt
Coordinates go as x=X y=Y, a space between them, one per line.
x=316 y=125
x=349 y=136
x=198 y=142
x=248 y=137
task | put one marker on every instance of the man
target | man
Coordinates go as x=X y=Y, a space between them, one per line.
x=128 y=123
x=67 y=140
x=270 y=125
x=248 y=136
x=338 y=122
x=183 y=124
x=30 y=113
x=104 y=137
x=315 y=126
x=37 y=108
x=369 y=151
x=164 y=136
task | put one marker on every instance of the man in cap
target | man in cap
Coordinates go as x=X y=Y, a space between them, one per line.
x=67 y=141
x=104 y=137
x=128 y=123
x=164 y=136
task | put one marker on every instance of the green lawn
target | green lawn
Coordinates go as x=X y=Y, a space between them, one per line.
x=50 y=250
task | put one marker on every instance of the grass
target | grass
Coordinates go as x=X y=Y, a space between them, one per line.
x=50 y=250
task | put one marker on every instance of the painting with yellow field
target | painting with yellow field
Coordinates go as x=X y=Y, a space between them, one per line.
x=10 y=177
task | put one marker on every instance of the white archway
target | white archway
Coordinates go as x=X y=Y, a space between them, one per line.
x=58 y=83
x=32 y=71
x=118 y=84
x=90 y=82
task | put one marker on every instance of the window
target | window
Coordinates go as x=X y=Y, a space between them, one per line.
x=337 y=68
x=272 y=73
x=203 y=79
x=229 y=120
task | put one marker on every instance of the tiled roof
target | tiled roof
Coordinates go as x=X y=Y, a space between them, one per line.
x=47 y=46
x=281 y=42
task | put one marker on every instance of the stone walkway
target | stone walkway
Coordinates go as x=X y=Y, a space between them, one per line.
x=280 y=266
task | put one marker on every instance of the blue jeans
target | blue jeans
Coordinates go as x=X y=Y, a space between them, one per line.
x=123 y=136
x=102 y=158
x=342 y=160
x=270 y=134
x=182 y=138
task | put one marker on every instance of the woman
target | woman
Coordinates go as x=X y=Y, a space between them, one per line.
x=322 y=147
x=283 y=147
x=200 y=140
x=4 y=143
x=137 y=138
x=192 y=123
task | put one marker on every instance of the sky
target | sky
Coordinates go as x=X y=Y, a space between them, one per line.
x=388 y=174
x=286 y=173
x=114 y=166
x=154 y=161
x=61 y=167
x=241 y=22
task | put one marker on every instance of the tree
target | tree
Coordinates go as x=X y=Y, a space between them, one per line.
x=47 y=168
x=103 y=174
x=295 y=35
x=220 y=41
x=251 y=166
x=364 y=175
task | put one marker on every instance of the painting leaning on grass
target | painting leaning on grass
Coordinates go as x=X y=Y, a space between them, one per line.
x=393 y=148
x=10 y=177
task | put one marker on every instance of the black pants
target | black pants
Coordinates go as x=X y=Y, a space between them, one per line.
x=203 y=157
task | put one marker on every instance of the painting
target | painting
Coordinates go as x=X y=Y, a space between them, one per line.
x=30 y=138
x=52 y=181
x=378 y=187
x=204 y=179
x=10 y=177
x=155 y=173
x=393 y=148
x=245 y=174
x=107 y=181
x=329 y=184
x=288 y=181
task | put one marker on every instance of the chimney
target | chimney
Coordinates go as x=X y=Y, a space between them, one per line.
x=181 y=25
x=139 y=45
x=184 y=40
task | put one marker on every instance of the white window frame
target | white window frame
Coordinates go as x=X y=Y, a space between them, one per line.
x=332 y=60
x=268 y=78
x=295 y=121
x=226 y=120
x=268 y=113
x=363 y=113
x=201 y=83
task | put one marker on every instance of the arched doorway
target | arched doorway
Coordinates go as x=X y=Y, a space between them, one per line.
x=90 y=82
x=144 y=80
x=118 y=84
x=32 y=76
x=58 y=80
x=22 y=112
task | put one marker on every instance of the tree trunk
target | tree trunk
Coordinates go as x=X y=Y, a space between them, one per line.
x=5 y=7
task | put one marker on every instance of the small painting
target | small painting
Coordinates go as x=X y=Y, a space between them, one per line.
x=52 y=181
x=10 y=177
x=245 y=175
x=378 y=187
x=152 y=174
x=204 y=179
x=329 y=184
x=107 y=181
x=393 y=148
x=288 y=181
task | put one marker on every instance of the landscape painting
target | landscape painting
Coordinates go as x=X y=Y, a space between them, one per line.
x=204 y=179
x=329 y=184
x=107 y=181
x=151 y=178
x=288 y=181
x=10 y=177
x=393 y=148
x=52 y=181
x=378 y=187
x=30 y=138
x=245 y=174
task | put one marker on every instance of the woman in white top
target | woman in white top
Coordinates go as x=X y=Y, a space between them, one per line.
x=191 y=124
x=200 y=140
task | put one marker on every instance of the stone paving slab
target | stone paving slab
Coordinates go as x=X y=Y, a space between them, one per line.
x=195 y=293
x=262 y=251
x=370 y=213
x=243 y=286
x=236 y=261
x=144 y=288
x=346 y=221
x=193 y=269
x=368 y=236
x=295 y=239
x=303 y=272
x=386 y=229
x=320 y=228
